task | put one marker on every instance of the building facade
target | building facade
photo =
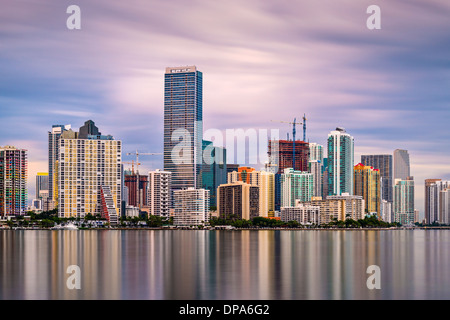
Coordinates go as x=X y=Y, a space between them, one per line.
x=303 y=214
x=340 y=162
x=382 y=162
x=137 y=186
x=367 y=183
x=238 y=200
x=13 y=181
x=402 y=169
x=159 y=193
x=191 y=207
x=53 y=151
x=183 y=126
x=403 y=205
x=433 y=192
x=214 y=169
x=354 y=206
x=315 y=152
x=281 y=154
x=85 y=166
x=315 y=168
x=296 y=185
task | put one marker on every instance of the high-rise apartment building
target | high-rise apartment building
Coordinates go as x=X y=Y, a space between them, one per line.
x=340 y=162
x=367 y=183
x=354 y=205
x=13 y=181
x=303 y=214
x=159 y=193
x=386 y=211
x=53 y=151
x=329 y=209
x=183 y=126
x=403 y=205
x=315 y=168
x=296 y=185
x=281 y=154
x=402 y=168
x=42 y=185
x=191 y=207
x=444 y=206
x=238 y=200
x=315 y=152
x=86 y=167
x=382 y=162
x=264 y=180
x=433 y=192
x=242 y=174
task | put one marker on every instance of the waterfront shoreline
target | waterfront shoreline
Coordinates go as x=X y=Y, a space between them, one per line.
x=233 y=229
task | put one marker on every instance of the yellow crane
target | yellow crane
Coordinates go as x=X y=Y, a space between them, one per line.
x=137 y=153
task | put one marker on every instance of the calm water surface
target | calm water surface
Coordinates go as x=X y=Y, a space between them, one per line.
x=251 y=265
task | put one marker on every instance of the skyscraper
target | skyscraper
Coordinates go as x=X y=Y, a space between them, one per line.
x=214 y=169
x=434 y=188
x=315 y=168
x=264 y=180
x=340 y=162
x=238 y=200
x=401 y=164
x=42 y=185
x=90 y=173
x=403 y=206
x=367 y=183
x=53 y=150
x=183 y=126
x=13 y=181
x=296 y=185
x=315 y=152
x=382 y=162
x=159 y=195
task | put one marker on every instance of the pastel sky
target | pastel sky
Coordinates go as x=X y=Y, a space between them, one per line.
x=261 y=61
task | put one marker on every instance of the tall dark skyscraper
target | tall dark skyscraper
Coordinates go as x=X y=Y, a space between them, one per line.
x=183 y=126
x=382 y=162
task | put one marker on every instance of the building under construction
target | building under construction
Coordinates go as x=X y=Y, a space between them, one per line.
x=281 y=154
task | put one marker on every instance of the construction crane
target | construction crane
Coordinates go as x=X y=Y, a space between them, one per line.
x=132 y=165
x=144 y=154
x=137 y=171
x=293 y=135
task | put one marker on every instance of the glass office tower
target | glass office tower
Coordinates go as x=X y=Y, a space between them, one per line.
x=183 y=126
x=340 y=162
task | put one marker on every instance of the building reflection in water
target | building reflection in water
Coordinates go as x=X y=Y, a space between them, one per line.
x=248 y=264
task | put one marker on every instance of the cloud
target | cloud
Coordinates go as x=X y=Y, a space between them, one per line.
x=262 y=61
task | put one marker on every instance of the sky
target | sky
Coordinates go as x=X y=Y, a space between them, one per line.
x=262 y=62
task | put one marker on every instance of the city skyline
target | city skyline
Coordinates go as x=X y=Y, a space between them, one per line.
x=263 y=62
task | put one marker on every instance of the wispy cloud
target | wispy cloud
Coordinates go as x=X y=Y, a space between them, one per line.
x=262 y=61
